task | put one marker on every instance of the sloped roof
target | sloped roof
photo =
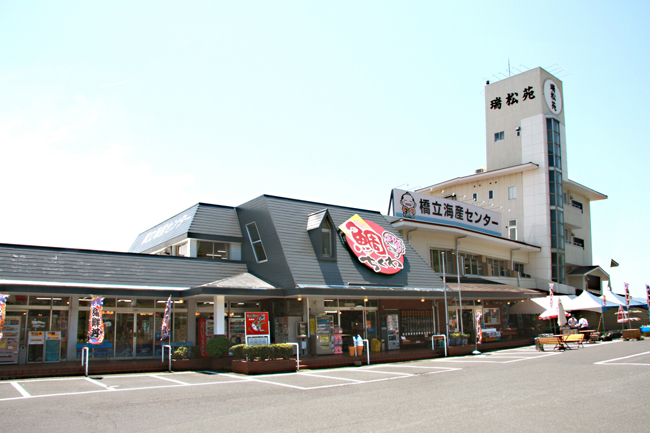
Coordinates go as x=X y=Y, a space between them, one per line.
x=201 y=221
x=240 y=281
x=77 y=271
x=291 y=246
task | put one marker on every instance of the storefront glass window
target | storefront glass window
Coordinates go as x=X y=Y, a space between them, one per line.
x=17 y=300
x=62 y=301
x=294 y=307
x=40 y=300
x=491 y=316
x=109 y=302
x=331 y=303
x=253 y=305
x=60 y=324
x=85 y=301
x=180 y=326
x=144 y=303
x=351 y=302
x=125 y=303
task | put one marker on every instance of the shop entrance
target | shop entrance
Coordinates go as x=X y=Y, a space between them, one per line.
x=130 y=344
x=352 y=324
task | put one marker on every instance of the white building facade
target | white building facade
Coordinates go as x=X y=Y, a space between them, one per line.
x=545 y=228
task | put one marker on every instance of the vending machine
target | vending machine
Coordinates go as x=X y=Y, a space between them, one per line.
x=322 y=341
x=392 y=331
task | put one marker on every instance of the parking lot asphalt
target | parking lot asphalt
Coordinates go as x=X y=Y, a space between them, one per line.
x=591 y=389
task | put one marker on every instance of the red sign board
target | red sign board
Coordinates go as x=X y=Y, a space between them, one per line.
x=379 y=249
x=257 y=324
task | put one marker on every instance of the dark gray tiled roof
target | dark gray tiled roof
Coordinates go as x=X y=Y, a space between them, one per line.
x=74 y=268
x=201 y=221
x=291 y=247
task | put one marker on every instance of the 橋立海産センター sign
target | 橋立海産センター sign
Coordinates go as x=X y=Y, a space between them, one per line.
x=428 y=208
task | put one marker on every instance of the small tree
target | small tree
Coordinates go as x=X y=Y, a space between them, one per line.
x=218 y=346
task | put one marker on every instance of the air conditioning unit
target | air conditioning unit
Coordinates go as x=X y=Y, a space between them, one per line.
x=480 y=170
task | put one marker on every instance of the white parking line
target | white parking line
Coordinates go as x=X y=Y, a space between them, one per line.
x=612 y=361
x=331 y=377
x=368 y=370
x=20 y=389
x=98 y=383
x=169 y=380
x=259 y=379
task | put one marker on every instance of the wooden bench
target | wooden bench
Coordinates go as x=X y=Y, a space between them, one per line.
x=558 y=342
x=575 y=338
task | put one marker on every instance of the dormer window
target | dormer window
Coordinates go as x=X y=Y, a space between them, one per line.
x=321 y=232
x=326 y=236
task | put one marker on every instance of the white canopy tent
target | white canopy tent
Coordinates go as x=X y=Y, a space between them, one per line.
x=620 y=300
x=588 y=302
x=539 y=305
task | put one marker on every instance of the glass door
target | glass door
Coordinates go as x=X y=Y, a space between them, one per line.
x=38 y=323
x=124 y=337
x=144 y=335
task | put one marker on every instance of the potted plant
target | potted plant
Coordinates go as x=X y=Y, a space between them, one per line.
x=260 y=359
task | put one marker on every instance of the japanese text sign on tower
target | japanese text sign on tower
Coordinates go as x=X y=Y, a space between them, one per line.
x=379 y=249
x=429 y=208
x=257 y=329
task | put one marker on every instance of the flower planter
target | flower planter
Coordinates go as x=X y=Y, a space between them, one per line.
x=263 y=367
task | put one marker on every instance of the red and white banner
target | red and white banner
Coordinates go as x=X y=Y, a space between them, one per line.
x=379 y=249
x=95 y=322
x=3 y=305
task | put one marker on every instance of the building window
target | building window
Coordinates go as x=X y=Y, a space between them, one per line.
x=256 y=242
x=449 y=258
x=474 y=197
x=557 y=229
x=554 y=146
x=471 y=264
x=490 y=194
x=512 y=192
x=557 y=267
x=576 y=204
x=322 y=234
x=212 y=250
x=555 y=188
x=519 y=267
x=499 y=136
x=512 y=230
x=579 y=242
x=326 y=235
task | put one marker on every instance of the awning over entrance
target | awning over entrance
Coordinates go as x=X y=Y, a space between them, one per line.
x=478 y=288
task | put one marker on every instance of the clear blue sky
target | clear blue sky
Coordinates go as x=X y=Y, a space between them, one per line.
x=116 y=115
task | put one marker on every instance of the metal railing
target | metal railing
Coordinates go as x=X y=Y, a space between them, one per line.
x=168 y=346
x=85 y=356
x=433 y=342
x=297 y=355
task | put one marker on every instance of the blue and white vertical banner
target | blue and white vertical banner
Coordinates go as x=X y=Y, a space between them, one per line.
x=165 y=330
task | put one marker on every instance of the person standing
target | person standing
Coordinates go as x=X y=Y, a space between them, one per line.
x=573 y=322
x=583 y=324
